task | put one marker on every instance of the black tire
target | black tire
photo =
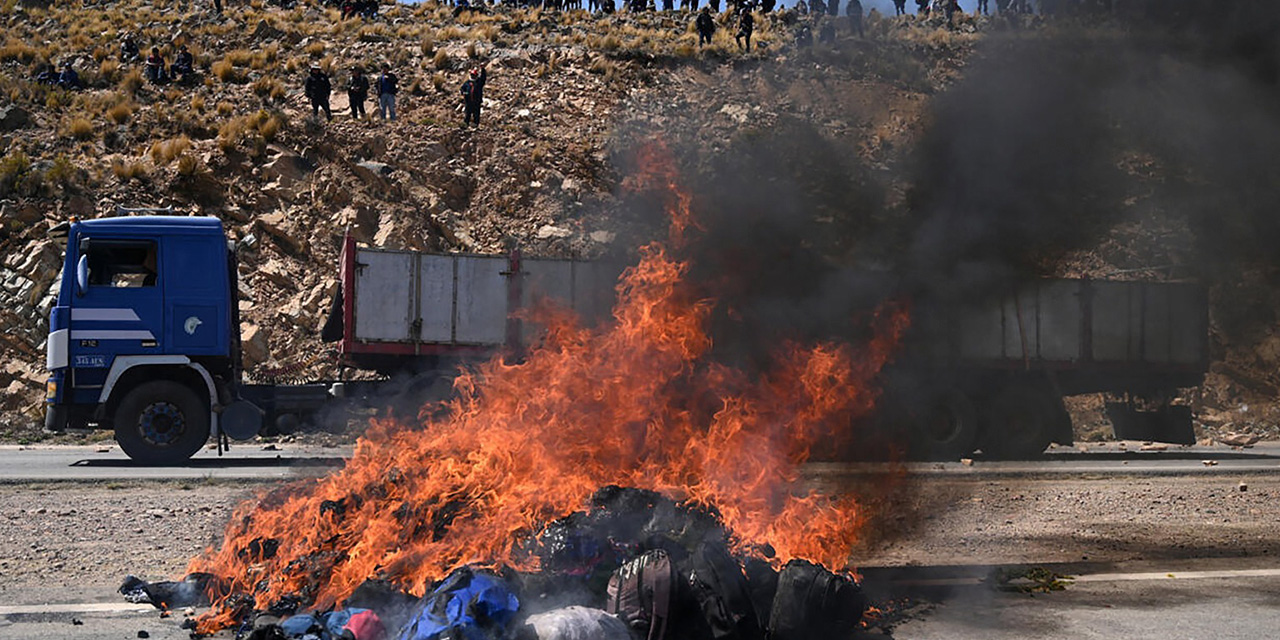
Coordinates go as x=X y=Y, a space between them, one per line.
x=1020 y=421
x=161 y=423
x=945 y=429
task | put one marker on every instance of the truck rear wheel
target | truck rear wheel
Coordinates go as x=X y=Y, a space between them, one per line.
x=1020 y=422
x=946 y=429
x=161 y=422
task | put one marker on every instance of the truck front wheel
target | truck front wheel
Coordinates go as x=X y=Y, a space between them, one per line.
x=161 y=422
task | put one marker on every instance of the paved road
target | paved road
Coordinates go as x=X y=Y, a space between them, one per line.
x=251 y=461
x=1192 y=600
x=107 y=463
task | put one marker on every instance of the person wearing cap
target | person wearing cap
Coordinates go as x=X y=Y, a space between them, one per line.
x=357 y=91
x=317 y=88
x=387 y=93
x=68 y=79
x=473 y=95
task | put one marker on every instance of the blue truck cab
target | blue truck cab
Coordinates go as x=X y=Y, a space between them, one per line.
x=144 y=338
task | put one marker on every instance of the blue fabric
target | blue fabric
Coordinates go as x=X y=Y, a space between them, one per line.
x=472 y=606
x=297 y=626
x=335 y=621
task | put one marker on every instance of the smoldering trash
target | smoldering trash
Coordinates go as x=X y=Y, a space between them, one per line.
x=632 y=564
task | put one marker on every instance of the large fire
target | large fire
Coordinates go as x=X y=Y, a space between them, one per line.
x=635 y=402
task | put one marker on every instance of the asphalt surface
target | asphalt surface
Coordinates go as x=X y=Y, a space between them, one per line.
x=1185 y=599
x=48 y=463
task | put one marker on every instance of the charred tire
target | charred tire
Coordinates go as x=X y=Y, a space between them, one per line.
x=161 y=422
x=1020 y=421
x=946 y=429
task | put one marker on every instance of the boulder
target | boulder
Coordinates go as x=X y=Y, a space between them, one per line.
x=253 y=344
x=13 y=117
x=373 y=173
x=277 y=226
x=287 y=169
x=264 y=31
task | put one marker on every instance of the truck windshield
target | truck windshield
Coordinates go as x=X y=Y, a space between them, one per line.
x=121 y=263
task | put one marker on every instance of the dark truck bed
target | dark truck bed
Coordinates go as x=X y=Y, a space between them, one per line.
x=992 y=374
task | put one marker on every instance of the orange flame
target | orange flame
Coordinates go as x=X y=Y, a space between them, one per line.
x=633 y=403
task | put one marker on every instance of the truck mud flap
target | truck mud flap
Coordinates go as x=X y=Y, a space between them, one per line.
x=1168 y=424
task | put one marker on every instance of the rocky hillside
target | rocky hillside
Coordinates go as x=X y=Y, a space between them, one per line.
x=567 y=93
x=836 y=124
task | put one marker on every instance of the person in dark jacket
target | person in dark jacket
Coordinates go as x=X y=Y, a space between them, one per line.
x=184 y=63
x=746 y=25
x=706 y=26
x=357 y=92
x=129 y=49
x=473 y=95
x=318 y=89
x=68 y=79
x=854 y=11
x=387 y=91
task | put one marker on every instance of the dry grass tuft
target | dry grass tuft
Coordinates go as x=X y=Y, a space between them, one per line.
x=132 y=81
x=441 y=60
x=80 y=129
x=121 y=112
x=188 y=165
x=126 y=171
x=162 y=153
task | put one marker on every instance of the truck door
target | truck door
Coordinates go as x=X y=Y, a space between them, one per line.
x=120 y=311
x=196 y=296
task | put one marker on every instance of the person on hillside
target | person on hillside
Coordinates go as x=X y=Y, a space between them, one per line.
x=184 y=63
x=804 y=37
x=899 y=7
x=357 y=92
x=706 y=26
x=473 y=95
x=826 y=31
x=746 y=25
x=950 y=7
x=68 y=79
x=833 y=8
x=767 y=6
x=817 y=7
x=387 y=90
x=922 y=7
x=155 y=67
x=129 y=49
x=802 y=8
x=715 y=5
x=982 y=7
x=854 y=11
x=317 y=89
x=47 y=75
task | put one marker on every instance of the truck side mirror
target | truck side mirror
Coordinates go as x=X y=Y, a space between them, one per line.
x=82 y=275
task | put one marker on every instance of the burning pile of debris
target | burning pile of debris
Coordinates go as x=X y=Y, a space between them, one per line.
x=635 y=562
x=463 y=508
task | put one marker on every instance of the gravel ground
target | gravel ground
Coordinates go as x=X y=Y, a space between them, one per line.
x=75 y=542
